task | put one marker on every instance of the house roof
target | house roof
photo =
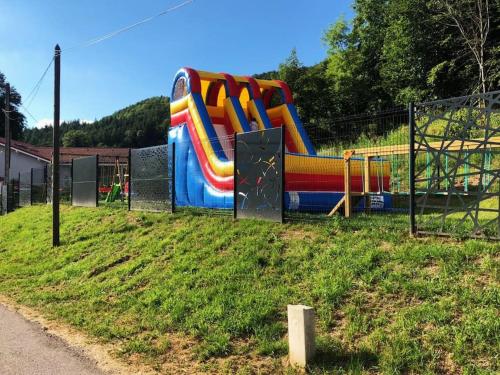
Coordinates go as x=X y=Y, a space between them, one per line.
x=29 y=149
x=107 y=155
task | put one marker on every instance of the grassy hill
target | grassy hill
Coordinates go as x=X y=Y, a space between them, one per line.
x=204 y=293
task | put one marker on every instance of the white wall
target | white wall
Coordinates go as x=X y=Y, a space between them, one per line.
x=19 y=163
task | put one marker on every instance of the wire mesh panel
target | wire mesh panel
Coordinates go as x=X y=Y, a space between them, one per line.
x=85 y=182
x=259 y=161
x=39 y=185
x=151 y=171
x=3 y=198
x=457 y=166
x=49 y=184
x=359 y=164
x=25 y=189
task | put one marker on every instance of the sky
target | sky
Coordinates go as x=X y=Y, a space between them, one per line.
x=233 y=36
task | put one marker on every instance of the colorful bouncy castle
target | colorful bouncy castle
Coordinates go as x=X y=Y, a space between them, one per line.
x=208 y=108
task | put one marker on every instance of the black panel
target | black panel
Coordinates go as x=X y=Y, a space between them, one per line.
x=25 y=189
x=84 y=182
x=457 y=174
x=259 y=175
x=150 y=178
x=39 y=186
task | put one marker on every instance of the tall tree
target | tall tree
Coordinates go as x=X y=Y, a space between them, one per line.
x=17 y=119
x=473 y=21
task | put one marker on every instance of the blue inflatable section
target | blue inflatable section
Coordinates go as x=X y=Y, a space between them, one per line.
x=191 y=187
x=324 y=202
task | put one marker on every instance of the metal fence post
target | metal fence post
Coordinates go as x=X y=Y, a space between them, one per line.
x=235 y=176
x=283 y=174
x=129 y=182
x=411 y=117
x=97 y=181
x=71 y=185
x=31 y=187
x=173 y=177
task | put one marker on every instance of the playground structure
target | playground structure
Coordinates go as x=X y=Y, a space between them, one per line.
x=207 y=109
x=113 y=180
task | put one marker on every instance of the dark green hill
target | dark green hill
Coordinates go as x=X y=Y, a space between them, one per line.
x=139 y=125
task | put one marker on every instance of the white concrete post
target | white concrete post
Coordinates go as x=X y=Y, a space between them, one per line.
x=301 y=336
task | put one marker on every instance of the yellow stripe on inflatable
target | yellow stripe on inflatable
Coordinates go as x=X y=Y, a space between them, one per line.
x=214 y=111
x=233 y=117
x=179 y=105
x=330 y=166
x=255 y=114
x=294 y=132
x=274 y=112
x=221 y=168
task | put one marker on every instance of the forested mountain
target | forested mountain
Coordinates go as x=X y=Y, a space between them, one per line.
x=139 y=125
x=391 y=52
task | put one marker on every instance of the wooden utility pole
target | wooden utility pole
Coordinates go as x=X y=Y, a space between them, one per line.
x=7 y=149
x=55 y=147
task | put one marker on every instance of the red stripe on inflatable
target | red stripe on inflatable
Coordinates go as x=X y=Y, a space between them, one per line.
x=287 y=93
x=213 y=93
x=218 y=182
x=314 y=182
x=218 y=120
x=178 y=118
x=194 y=80
x=232 y=85
x=254 y=88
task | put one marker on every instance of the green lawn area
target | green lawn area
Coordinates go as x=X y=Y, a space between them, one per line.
x=385 y=303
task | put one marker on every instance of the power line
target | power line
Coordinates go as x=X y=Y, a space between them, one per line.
x=112 y=34
x=34 y=91
x=30 y=114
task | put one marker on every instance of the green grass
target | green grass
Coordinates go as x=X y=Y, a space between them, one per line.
x=385 y=303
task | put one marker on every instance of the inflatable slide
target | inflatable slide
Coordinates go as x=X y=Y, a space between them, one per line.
x=208 y=108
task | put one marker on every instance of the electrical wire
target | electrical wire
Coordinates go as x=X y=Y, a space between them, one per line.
x=112 y=34
x=36 y=88
x=30 y=114
x=34 y=91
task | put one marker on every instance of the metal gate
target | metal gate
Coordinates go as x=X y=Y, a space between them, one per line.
x=25 y=180
x=151 y=176
x=456 y=166
x=85 y=182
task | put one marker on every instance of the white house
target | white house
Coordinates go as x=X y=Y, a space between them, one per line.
x=23 y=157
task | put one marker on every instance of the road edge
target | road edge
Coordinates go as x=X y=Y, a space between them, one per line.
x=99 y=353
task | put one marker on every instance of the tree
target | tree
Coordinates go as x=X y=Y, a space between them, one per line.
x=473 y=20
x=76 y=138
x=17 y=119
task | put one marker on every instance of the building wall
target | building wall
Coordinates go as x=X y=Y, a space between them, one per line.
x=19 y=163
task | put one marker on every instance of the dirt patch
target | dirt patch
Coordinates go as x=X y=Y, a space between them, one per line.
x=298 y=234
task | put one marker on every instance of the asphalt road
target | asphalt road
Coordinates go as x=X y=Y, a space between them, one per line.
x=26 y=349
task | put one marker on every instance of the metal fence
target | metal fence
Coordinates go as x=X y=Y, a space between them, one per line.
x=151 y=173
x=85 y=182
x=25 y=181
x=457 y=166
x=39 y=185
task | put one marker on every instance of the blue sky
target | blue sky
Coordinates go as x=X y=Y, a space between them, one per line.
x=238 y=37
